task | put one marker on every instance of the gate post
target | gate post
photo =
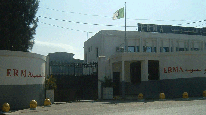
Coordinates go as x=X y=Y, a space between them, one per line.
x=101 y=74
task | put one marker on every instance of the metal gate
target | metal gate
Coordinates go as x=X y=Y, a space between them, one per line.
x=75 y=86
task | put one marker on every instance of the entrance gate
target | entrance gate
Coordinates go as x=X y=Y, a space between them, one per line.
x=76 y=86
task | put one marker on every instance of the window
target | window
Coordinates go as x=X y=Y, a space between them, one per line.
x=147 y=49
x=196 y=49
x=181 y=49
x=131 y=48
x=89 y=49
x=154 y=50
x=160 y=49
x=177 y=49
x=165 y=49
x=144 y=48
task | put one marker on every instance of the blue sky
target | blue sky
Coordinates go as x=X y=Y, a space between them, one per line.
x=50 y=39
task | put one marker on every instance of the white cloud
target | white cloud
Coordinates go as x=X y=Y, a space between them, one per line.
x=44 y=48
x=60 y=45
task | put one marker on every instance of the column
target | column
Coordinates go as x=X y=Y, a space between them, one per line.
x=140 y=45
x=123 y=81
x=174 y=45
x=144 y=70
x=189 y=45
x=158 y=46
x=101 y=74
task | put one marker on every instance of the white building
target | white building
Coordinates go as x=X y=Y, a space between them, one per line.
x=154 y=63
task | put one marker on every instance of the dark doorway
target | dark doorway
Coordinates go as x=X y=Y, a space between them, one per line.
x=153 y=69
x=135 y=72
x=116 y=80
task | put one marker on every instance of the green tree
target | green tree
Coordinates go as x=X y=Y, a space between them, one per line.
x=18 y=24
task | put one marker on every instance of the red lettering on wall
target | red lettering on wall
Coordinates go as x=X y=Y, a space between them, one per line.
x=15 y=72
x=29 y=74
x=23 y=73
x=181 y=69
x=165 y=71
x=174 y=70
x=169 y=70
x=8 y=72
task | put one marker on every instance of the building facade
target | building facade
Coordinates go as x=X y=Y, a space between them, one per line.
x=62 y=63
x=154 y=63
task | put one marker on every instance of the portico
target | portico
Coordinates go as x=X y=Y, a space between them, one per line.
x=133 y=68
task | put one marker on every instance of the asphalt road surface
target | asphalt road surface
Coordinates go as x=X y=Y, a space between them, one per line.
x=196 y=106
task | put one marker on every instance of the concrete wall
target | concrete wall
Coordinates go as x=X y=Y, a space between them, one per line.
x=173 y=88
x=182 y=65
x=22 y=77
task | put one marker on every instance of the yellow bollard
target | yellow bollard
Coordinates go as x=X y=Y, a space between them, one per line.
x=204 y=93
x=33 y=104
x=47 y=102
x=185 y=95
x=140 y=96
x=5 y=107
x=162 y=96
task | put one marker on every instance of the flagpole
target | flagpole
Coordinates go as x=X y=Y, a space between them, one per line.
x=123 y=81
x=125 y=31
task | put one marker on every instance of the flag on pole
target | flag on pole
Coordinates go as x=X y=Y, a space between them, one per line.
x=119 y=14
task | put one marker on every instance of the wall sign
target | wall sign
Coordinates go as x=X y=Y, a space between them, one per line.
x=180 y=69
x=20 y=73
x=173 y=69
x=171 y=29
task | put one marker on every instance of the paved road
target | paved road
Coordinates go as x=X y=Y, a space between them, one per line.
x=169 y=107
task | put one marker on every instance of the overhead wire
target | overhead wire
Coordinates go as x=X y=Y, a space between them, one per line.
x=64 y=27
x=67 y=27
x=110 y=25
x=193 y=22
x=85 y=23
x=112 y=17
